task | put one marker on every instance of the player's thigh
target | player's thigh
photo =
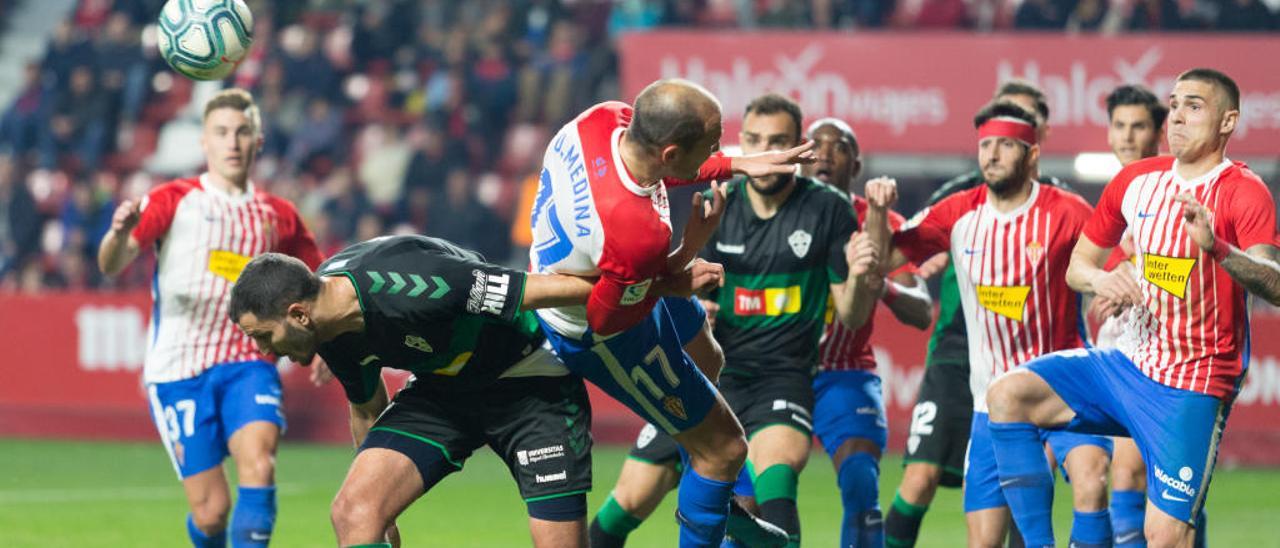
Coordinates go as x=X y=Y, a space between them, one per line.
x=642 y=486
x=849 y=414
x=1128 y=472
x=1080 y=390
x=938 y=435
x=779 y=444
x=558 y=534
x=988 y=527
x=432 y=426
x=541 y=428
x=717 y=445
x=776 y=410
x=186 y=416
x=383 y=481
x=706 y=353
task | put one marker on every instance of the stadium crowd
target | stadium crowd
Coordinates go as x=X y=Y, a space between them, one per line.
x=400 y=116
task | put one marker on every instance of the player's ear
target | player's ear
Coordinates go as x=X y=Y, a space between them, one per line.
x=669 y=154
x=855 y=170
x=299 y=313
x=1033 y=154
x=1229 y=120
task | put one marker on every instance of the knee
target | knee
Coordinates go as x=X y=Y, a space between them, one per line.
x=1008 y=397
x=351 y=512
x=1128 y=478
x=210 y=513
x=1171 y=537
x=257 y=469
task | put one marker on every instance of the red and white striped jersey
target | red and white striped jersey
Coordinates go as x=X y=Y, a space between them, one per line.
x=1192 y=331
x=1011 y=269
x=591 y=218
x=204 y=237
x=841 y=348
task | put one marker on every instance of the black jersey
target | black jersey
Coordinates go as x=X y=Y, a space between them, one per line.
x=778 y=273
x=428 y=306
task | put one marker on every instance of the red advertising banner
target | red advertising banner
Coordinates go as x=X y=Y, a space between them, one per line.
x=918 y=92
x=71 y=367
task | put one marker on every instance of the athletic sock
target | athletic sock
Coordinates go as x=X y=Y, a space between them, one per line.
x=776 y=495
x=1026 y=480
x=859 y=481
x=703 y=509
x=254 y=517
x=611 y=525
x=902 y=525
x=200 y=539
x=1091 y=529
x=1128 y=513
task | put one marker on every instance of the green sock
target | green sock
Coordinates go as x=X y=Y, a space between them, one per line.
x=776 y=496
x=902 y=525
x=374 y=545
x=616 y=521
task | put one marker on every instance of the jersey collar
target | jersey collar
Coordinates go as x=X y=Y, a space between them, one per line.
x=214 y=189
x=1026 y=206
x=1206 y=178
x=621 y=168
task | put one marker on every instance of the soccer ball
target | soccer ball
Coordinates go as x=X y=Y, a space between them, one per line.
x=205 y=39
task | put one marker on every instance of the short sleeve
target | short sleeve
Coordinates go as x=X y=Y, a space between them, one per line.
x=928 y=233
x=359 y=382
x=158 y=209
x=1251 y=214
x=1107 y=223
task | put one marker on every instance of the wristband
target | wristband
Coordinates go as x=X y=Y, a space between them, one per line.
x=1220 y=250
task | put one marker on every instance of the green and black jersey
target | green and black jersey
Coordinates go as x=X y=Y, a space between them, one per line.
x=778 y=274
x=427 y=306
x=949 y=343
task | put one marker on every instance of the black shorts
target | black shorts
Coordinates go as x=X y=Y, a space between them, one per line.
x=940 y=421
x=540 y=426
x=655 y=447
x=771 y=398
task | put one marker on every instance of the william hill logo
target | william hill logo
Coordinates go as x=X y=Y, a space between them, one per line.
x=772 y=301
x=1168 y=273
x=1009 y=302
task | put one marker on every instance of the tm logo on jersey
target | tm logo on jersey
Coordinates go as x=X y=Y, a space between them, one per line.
x=1168 y=273
x=488 y=293
x=771 y=301
x=1009 y=302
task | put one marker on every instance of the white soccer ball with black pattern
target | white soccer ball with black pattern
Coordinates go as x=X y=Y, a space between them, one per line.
x=205 y=39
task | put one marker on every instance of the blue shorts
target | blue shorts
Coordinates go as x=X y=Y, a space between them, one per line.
x=1177 y=431
x=645 y=367
x=981 y=481
x=196 y=417
x=847 y=405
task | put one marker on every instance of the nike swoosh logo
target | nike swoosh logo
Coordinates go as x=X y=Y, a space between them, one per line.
x=1166 y=496
x=1006 y=483
x=1128 y=537
x=259 y=537
x=1146 y=215
x=973 y=251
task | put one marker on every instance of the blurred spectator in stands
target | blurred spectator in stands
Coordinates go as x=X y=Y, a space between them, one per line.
x=1246 y=15
x=345 y=203
x=20 y=222
x=67 y=49
x=462 y=219
x=317 y=135
x=932 y=14
x=433 y=158
x=1043 y=14
x=492 y=92
x=305 y=67
x=632 y=15
x=1088 y=16
x=383 y=161
x=77 y=123
x=781 y=14
x=22 y=124
x=123 y=73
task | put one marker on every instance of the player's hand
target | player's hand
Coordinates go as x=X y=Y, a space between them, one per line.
x=320 y=372
x=713 y=309
x=704 y=218
x=700 y=276
x=1198 y=219
x=780 y=162
x=933 y=266
x=1101 y=308
x=126 y=216
x=882 y=193
x=1119 y=286
x=862 y=255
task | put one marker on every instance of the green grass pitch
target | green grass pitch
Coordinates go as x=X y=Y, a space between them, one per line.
x=88 y=494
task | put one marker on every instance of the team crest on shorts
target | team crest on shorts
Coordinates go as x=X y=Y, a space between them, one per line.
x=675 y=406
x=180 y=453
x=799 y=241
x=417 y=343
x=1034 y=252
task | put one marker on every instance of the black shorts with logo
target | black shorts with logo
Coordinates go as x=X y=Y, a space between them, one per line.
x=655 y=447
x=772 y=398
x=540 y=426
x=940 y=421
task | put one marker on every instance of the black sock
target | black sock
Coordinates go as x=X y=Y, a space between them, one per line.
x=902 y=525
x=782 y=512
x=601 y=539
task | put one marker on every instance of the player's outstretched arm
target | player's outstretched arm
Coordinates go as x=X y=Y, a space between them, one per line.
x=781 y=162
x=909 y=300
x=363 y=415
x=856 y=298
x=118 y=248
x=1257 y=269
x=555 y=290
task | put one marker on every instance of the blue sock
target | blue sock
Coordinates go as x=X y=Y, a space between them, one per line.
x=1091 y=529
x=254 y=517
x=1026 y=479
x=702 y=510
x=859 y=481
x=200 y=540
x=1128 y=513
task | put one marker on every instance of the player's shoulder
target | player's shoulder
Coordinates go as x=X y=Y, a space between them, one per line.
x=609 y=113
x=1059 y=198
x=177 y=188
x=1238 y=173
x=387 y=251
x=1141 y=167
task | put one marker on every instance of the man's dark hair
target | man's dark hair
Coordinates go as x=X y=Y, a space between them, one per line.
x=663 y=118
x=997 y=109
x=269 y=284
x=773 y=103
x=1224 y=83
x=1019 y=86
x=1140 y=96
